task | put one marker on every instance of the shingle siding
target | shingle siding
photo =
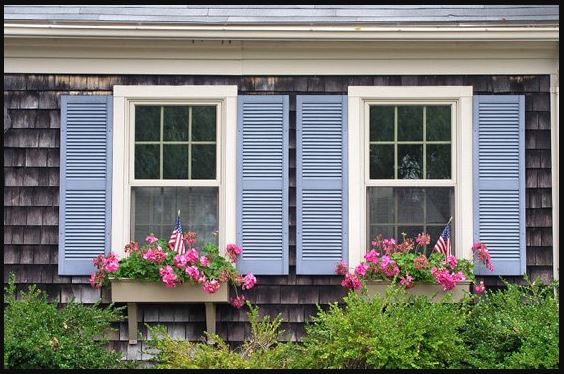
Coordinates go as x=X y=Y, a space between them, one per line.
x=31 y=192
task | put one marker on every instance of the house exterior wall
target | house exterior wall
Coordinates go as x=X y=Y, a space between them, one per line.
x=31 y=190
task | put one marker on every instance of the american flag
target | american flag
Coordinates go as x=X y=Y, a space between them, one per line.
x=443 y=244
x=176 y=241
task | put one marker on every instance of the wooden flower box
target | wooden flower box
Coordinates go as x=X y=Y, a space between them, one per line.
x=133 y=291
x=435 y=292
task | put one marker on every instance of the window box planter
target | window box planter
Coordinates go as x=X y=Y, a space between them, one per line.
x=134 y=291
x=434 y=291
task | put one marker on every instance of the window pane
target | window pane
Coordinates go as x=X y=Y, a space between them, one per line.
x=203 y=123
x=438 y=122
x=438 y=161
x=381 y=161
x=175 y=120
x=410 y=161
x=381 y=123
x=147 y=158
x=411 y=204
x=155 y=210
x=393 y=210
x=175 y=161
x=203 y=161
x=147 y=123
x=410 y=123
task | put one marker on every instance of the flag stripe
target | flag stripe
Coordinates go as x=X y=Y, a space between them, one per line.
x=443 y=243
x=176 y=241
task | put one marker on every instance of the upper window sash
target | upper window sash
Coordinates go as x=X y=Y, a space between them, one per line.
x=174 y=182
x=409 y=182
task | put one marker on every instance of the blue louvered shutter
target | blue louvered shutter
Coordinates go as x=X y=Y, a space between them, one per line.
x=499 y=181
x=262 y=186
x=85 y=183
x=321 y=183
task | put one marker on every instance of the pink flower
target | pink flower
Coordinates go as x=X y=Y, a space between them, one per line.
x=168 y=276
x=361 y=269
x=132 y=247
x=190 y=238
x=204 y=261
x=483 y=254
x=112 y=266
x=389 y=266
x=193 y=272
x=405 y=246
x=423 y=239
x=151 y=238
x=351 y=281
x=421 y=262
x=97 y=279
x=342 y=268
x=193 y=256
x=233 y=251
x=389 y=245
x=100 y=261
x=447 y=279
x=480 y=288
x=407 y=281
x=372 y=256
x=238 y=301
x=155 y=255
x=451 y=261
x=180 y=261
x=249 y=281
x=211 y=286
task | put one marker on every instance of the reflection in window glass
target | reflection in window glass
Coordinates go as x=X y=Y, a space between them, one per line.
x=155 y=209
x=393 y=210
x=175 y=142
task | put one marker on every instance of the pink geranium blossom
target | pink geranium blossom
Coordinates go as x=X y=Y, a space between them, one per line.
x=151 y=238
x=361 y=269
x=233 y=251
x=351 y=281
x=372 y=256
x=97 y=279
x=421 y=262
x=211 y=286
x=389 y=245
x=155 y=255
x=180 y=261
x=423 y=239
x=407 y=281
x=193 y=272
x=483 y=254
x=204 y=261
x=389 y=266
x=451 y=261
x=238 y=301
x=447 y=279
x=132 y=247
x=168 y=276
x=249 y=281
x=480 y=288
x=190 y=238
x=342 y=268
x=192 y=256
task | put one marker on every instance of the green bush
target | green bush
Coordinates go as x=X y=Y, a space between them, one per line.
x=39 y=335
x=262 y=350
x=515 y=328
x=398 y=331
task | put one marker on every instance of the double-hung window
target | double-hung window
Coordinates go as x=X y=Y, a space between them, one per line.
x=410 y=164
x=175 y=153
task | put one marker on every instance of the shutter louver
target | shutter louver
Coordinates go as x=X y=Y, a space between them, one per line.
x=499 y=182
x=85 y=183
x=262 y=227
x=321 y=185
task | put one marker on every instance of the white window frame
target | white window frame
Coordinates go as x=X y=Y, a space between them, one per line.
x=124 y=100
x=360 y=97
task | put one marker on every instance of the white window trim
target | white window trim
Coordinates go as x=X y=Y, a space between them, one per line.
x=359 y=97
x=124 y=97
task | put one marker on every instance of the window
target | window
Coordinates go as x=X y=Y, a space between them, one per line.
x=409 y=170
x=174 y=150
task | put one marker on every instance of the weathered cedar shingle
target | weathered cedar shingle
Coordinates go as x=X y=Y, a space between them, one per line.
x=308 y=294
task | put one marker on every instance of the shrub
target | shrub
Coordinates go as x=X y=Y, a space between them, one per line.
x=39 y=335
x=262 y=350
x=397 y=331
x=515 y=328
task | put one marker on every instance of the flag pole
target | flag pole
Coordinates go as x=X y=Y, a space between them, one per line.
x=445 y=225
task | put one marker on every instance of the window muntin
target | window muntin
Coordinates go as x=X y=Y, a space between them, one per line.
x=410 y=142
x=177 y=142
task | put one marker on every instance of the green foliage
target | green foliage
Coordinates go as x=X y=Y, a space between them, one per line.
x=39 y=335
x=515 y=328
x=398 y=331
x=262 y=350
